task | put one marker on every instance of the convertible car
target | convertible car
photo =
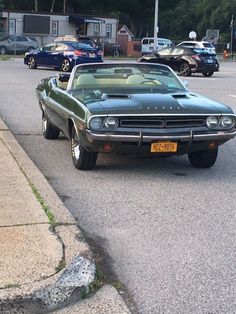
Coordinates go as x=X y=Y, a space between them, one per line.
x=132 y=108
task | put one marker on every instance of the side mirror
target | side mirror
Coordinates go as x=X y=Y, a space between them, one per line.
x=186 y=84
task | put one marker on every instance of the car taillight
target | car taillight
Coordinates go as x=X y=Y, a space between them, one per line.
x=80 y=53
x=196 y=57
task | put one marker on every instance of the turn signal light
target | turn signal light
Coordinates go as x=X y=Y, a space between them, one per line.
x=212 y=145
x=107 y=148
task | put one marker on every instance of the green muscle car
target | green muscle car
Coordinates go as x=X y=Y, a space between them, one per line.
x=132 y=108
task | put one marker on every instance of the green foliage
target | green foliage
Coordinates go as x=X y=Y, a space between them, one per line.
x=176 y=17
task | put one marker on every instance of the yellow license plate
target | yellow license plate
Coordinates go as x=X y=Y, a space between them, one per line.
x=164 y=147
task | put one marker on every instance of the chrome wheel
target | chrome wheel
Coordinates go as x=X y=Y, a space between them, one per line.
x=49 y=130
x=3 y=50
x=65 y=65
x=31 y=63
x=82 y=158
x=44 y=124
x=75 y=146
x=185 y=69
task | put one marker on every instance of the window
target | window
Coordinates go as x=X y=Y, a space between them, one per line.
x=54 y=28
x=108 y=30
x=164 y=51
x=177 y=51
x=12 y=26
x=96 y=30
x=21 y=38
x=60 y=47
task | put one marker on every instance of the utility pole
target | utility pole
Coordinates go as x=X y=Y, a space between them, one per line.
x=52 y=6
x=232 y=37
x=36 y=5
x=155 y=46
x=64 y=6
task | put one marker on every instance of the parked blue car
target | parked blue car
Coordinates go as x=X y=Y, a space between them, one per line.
x=62 y=55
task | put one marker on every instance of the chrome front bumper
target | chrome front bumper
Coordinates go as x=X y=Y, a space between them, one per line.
x=140 y=137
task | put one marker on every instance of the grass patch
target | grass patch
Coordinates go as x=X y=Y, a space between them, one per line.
x=4 y=58
x=45 y=207
x=12 y=285
x=60 y=266
x=99 y=281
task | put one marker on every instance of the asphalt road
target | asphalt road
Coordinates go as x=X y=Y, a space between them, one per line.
x=169 y=230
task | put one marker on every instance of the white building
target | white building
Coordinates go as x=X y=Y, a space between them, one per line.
x=45 y=27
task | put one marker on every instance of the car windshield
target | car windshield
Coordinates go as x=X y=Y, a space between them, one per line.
x=78 y=45
x=123 y=79
x=208 y=45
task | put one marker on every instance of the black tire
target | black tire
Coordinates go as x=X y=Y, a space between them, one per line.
x=207 y=74
x=185 y=69
x=3 y=50
x=65 y=65
x=203 y=159
x=50 y=132
x=82 y=159
x=32 y=63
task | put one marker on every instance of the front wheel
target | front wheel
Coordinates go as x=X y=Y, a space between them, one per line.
x=32 y=63
x=65 y=65
x=204 y=158
x=207 y=74
x=185 y=69
x=82 y=159
x=3 y=50
x=49 y=130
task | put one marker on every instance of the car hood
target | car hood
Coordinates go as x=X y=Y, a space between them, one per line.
x=184 y=103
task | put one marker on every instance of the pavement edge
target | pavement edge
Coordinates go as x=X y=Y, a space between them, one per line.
x=79 y=271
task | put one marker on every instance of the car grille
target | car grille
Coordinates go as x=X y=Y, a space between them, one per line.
x=159 y=122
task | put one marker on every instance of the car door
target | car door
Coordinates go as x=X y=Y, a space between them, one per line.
x=58 y=54
x=176 y=58
x=45 y=55
x=22 y=43
x=163 y=56
x=13 y=43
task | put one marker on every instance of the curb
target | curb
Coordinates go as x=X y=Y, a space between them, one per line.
x=53 y=292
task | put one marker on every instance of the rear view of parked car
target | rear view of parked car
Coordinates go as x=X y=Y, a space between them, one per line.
x=185 y=60
x=198 y=44
x=63 y=56
x=17 y=44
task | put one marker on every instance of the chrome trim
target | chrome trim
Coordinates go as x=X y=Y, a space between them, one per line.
x=163 y=114
x=147 y=138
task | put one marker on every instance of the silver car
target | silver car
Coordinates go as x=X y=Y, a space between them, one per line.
x=17 y=44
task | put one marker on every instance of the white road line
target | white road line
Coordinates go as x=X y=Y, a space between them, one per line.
x=232 y=96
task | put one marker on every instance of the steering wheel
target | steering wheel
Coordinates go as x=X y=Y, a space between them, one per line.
x=151 y=81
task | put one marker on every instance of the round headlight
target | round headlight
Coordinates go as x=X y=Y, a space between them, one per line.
x=95 y=123
x=212 y=122
x=111 y=123
x=227 y=122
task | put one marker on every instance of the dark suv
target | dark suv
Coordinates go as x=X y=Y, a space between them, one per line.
x=185 y=60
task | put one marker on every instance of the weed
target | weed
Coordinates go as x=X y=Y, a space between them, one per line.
x=45 y=207
x=61 y=265
x=12 y=285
